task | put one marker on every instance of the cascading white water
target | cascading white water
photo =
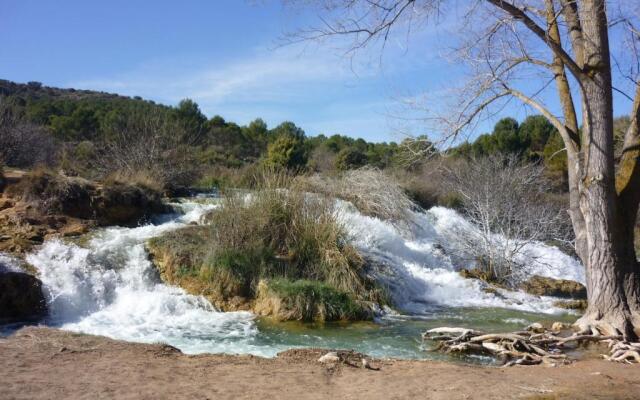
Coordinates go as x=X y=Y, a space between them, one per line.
x=421 y=270
x=109 y=287
x=9 y=264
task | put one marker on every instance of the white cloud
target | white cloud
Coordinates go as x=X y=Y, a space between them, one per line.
x=266 y=75
x=315 y=87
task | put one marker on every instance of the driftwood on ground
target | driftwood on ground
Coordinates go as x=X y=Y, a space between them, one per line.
x=534 y=345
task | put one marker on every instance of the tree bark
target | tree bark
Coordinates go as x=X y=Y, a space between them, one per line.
x=609 y=269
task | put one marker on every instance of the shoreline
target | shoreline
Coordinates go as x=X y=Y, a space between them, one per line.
x=43 y=363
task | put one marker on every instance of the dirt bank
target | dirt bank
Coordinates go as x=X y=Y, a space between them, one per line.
x=43 y=363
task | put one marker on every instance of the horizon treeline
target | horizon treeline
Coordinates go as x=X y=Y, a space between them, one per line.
x=78 y=130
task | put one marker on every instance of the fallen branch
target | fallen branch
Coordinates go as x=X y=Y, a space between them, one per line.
x=533 y=346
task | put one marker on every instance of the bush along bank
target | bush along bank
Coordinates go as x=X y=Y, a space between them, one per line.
x=279 y=253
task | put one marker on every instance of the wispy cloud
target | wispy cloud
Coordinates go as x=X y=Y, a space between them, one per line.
x=265 y=75
x=314 y=87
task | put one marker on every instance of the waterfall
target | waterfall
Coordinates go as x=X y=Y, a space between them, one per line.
x=421 y=264
x=108 y=286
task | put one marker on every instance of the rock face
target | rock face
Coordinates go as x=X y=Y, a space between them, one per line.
x=111 y=203
x=20 y=297
x=39 y=205
x=121 y=204
x=543 y=286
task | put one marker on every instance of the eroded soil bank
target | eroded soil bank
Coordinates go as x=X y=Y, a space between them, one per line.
x=45 y=363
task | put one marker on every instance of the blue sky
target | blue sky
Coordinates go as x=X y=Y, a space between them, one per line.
x=224 y=55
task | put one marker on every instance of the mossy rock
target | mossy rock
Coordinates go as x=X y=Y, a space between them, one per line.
x=308 y=301
x=270 y=239
x=125 y=204
x=543 y=286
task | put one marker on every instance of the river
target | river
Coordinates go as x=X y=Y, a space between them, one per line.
x=105 y=284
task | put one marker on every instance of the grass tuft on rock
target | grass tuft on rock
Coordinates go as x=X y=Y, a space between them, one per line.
x=305 y=300
x=277 y=231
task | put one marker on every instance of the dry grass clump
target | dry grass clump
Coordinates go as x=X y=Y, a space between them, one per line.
x=370 y=190
x=143 y=178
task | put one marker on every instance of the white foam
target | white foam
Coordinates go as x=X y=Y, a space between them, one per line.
x=9 y=264
x=111 y=288
x=422 y=263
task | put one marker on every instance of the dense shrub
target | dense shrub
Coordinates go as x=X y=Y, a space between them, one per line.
x=23 y=144
x=286 y=152
x=350 y=158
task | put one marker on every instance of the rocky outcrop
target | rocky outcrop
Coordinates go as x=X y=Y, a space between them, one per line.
x=110 y=203
x=579 y=305
x=124 y=204
x=39 y=205
x=21 y=297
x=543 y=286
x=183 y=258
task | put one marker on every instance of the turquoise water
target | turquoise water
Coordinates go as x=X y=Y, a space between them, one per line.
x=395 y=336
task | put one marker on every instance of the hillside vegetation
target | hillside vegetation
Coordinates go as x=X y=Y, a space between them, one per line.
x=96 y=135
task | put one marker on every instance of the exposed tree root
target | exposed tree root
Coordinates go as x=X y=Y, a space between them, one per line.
x=593 y=323
x=535 y=345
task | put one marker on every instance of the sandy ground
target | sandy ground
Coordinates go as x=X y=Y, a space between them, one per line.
x=44 y=363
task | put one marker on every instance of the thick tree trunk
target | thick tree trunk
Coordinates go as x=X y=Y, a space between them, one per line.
x=607 y=260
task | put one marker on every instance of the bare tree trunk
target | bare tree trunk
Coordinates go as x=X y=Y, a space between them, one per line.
x=572 y=140
x=607 y=258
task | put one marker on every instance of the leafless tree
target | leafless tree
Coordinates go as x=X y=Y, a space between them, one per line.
x=147 y=144
x=24 y=144
x=504 y=200
x=518 y=50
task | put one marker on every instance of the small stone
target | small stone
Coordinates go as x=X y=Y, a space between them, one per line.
x=536 y=327
x=330 y=357
x=558 y=326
